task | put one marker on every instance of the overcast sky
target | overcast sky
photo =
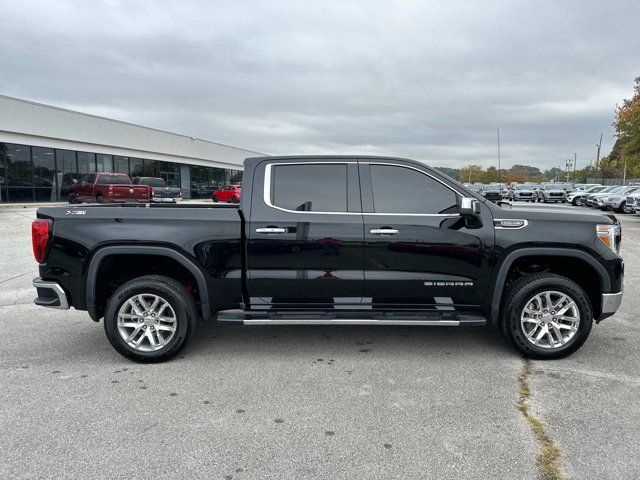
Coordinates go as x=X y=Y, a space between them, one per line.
x=425 y=80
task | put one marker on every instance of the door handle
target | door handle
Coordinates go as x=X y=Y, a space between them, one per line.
x=271 y=230
x=384 y=231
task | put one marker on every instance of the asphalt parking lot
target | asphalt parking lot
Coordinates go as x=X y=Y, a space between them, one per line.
x=305 y=402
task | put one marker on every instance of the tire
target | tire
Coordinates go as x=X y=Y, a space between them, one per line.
x=214 y=198
x=72 y=199
x=235 y=199
x=520 y=295
x=621 y=208
x=181 y=307
x=99 y=199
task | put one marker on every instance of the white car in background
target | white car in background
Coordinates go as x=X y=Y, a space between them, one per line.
x=577 y=197
x=596 y=200
x=586 y=186
x=617 y=201
x=632 y=204
x=524 y=193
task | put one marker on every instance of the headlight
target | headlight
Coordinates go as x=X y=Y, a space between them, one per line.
x=611 y=235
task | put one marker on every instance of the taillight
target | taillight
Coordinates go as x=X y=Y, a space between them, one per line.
x=153 y=191
x=39 y=238
x=110 y=189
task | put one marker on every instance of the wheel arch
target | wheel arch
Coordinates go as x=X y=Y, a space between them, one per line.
x=504 y=268
x=100 y=255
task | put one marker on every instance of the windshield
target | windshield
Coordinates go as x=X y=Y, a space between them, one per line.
x=595 y=189
x=524 y=187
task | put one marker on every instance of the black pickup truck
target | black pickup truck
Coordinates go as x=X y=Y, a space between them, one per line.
x=333 y=240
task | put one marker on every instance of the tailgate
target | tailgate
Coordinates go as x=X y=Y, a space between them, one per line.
x=130 y=191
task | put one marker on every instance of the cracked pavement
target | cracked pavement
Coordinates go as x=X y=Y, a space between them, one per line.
x=304 y=402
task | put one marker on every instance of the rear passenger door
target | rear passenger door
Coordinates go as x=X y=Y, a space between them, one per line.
x=305 y=237
x=418 y=252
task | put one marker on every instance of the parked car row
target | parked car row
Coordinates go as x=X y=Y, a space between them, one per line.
x=621 y=199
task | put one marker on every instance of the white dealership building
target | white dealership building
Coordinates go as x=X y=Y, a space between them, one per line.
x=45 y=149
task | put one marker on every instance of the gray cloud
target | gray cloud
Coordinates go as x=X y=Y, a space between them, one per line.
x=426 y=80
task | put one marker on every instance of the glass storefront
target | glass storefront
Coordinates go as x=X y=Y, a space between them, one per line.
x=204 y=180
x=40 y=174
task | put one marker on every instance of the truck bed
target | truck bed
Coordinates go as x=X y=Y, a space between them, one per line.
x=210 y=236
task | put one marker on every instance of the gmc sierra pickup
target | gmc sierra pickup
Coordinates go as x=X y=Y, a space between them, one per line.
x=328 y=240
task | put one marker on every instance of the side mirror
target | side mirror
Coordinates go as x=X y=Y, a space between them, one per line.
x=469 y=209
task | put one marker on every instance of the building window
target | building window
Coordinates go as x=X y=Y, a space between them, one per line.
x=104 y=163
x=150 y=168
x=17 y=161
x=236 y=176
x=68 y=167
x=46 y=178
x=135 y=166
x=86 y=162
x=121 y=164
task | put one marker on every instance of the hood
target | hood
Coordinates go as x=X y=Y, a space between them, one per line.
x=559 y=214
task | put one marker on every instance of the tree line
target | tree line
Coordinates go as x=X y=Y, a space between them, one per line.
x=517 y=173
x=623 y=161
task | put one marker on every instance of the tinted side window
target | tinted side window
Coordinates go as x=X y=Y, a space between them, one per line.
x=90 y=178
x=403 y=190
x=311 y=188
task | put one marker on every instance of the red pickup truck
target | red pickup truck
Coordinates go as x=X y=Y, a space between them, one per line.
x=108 y=188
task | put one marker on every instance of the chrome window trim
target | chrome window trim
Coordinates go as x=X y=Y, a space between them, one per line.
x=266 y=195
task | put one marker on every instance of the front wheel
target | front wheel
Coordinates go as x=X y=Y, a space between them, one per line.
x=546 y=316
x=150 y=318
x=235 y=199
x=214 y=198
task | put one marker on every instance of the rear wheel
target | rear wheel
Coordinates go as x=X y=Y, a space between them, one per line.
x=234 y=199
x=99 y=199
x=214 y=198
x=150 y=318
x=546 y=316
x=622 y=208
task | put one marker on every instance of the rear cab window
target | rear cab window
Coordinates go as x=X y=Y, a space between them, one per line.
x=320 y=187
x=113 y=179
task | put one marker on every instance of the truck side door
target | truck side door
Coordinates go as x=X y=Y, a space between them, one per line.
x=418 y=252
x=305 y=238
x=83 y=189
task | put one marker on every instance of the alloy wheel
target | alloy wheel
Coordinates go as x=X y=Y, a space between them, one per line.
x=550 y=319
x=146 y=322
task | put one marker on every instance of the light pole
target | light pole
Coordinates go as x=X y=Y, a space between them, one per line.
x=598 y=159
x=499 y=170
